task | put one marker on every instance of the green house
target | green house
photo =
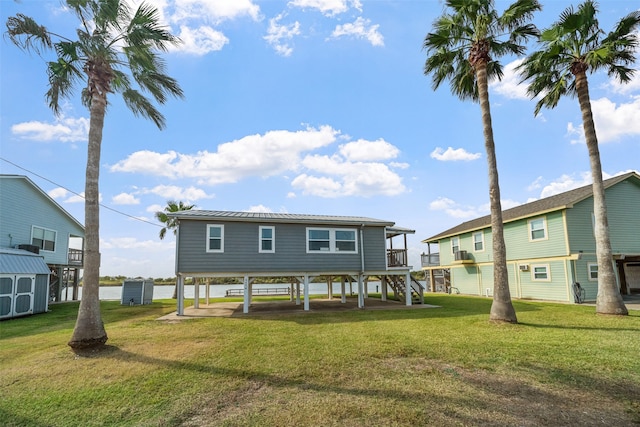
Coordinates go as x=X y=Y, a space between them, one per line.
x=550 y=245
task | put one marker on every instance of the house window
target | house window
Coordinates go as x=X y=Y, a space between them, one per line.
x=331 y=240
x=215 y=238
x=267 y=239
x=593 y=271
x=478 y=241
x=455 y=244
x=537 y=229
x=43 y=238
x=540 y=273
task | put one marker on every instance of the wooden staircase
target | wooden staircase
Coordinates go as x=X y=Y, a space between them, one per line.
x=399 y=286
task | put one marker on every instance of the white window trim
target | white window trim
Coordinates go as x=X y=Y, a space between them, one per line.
x=221 y=250
x=332 y=240
x=261 y=239
x=55 y=238
x=544 y=227
x=453 y=251
x=533 y=272
x=473 y=241
x=589 y=265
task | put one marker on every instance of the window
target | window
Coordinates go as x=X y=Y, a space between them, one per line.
x=478 y=241
x=540 y=273
x=455 y=244
x=43 y=238
x=537 y=229
x=331 y=240
x=593 y=271
x=267 y=239
x=215 y=238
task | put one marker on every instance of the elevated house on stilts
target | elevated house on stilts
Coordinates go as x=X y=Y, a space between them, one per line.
x=253 y=246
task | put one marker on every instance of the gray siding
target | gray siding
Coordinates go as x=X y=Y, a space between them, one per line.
x=241 y=250
x=41 y=293
x=23 y=206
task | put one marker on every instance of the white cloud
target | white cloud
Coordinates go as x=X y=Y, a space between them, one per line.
x=453 y=155
x=58 y=193
x=200 y=41
x=441 y=203
x=361 y=29
x=510 y=86
x=328 y=7
x=357 y=168
x=278 y=35
x=348 y=178
x=565 y=183
x=253 y=155
x=625 y=88
x=613 y=121
x=259 y=208
x=458 y=211
x=174 y=192
x=363 y=150
x=65 y=129
x=214 y=11
x=291 y=195
x=125 y=199
x=154 y=208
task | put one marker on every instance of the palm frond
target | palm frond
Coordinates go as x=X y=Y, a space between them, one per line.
x=25 y=33
x=141 y=106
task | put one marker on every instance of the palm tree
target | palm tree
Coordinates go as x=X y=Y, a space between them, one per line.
x=463 y=48
x=570 y=48
x=109 y=41
x=171 y=223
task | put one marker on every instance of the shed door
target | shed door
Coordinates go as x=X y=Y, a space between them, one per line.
x=16 y=295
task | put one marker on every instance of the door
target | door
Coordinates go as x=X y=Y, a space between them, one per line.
x=632 y=274
x=16 y=295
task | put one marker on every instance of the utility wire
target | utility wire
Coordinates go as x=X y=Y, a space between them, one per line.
x=80 y=195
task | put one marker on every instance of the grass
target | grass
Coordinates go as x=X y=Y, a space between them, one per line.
x=561 y=365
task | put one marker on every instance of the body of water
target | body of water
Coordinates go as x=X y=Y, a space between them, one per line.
x=217 y=291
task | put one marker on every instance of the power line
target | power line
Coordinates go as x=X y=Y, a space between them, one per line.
x=80 y=195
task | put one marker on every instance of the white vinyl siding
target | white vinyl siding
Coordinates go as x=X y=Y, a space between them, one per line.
x=215 y=238
x=331 y=240
x=267 y=239
x=43 y=238
x=537 y=229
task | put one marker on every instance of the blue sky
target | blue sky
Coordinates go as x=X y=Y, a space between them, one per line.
x=307 y=107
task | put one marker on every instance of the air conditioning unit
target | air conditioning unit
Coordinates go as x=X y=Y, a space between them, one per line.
x=524 y=267
x=460 y=255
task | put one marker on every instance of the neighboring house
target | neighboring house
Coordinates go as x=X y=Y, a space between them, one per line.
x=253 y=245
x=550 y=245
x=32 y=222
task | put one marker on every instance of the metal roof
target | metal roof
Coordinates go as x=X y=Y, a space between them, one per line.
x=18 y=261
x=278 y=218
x=548 y=204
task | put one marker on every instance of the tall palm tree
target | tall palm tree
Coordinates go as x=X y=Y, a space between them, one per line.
x=572 y=47
x=463 y=48
x=171 y=223
x=110 y=41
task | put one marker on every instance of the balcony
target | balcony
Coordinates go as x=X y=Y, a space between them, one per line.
x=430 y=260
x=397 y=258
x=76 y=257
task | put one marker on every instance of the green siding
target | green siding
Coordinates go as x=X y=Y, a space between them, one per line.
x=516 y=236
x=555 y=289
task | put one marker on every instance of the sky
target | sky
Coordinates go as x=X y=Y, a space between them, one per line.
x=303 y=107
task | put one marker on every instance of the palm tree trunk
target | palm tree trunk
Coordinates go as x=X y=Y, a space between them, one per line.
x=609 y=300
x=89 y=330
x=501 y=309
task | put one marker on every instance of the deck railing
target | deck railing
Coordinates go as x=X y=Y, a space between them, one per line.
x=430 y=260
x=76 y=257
x=397 y=258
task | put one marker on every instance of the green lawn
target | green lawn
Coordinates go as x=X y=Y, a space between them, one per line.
x=447 y=366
